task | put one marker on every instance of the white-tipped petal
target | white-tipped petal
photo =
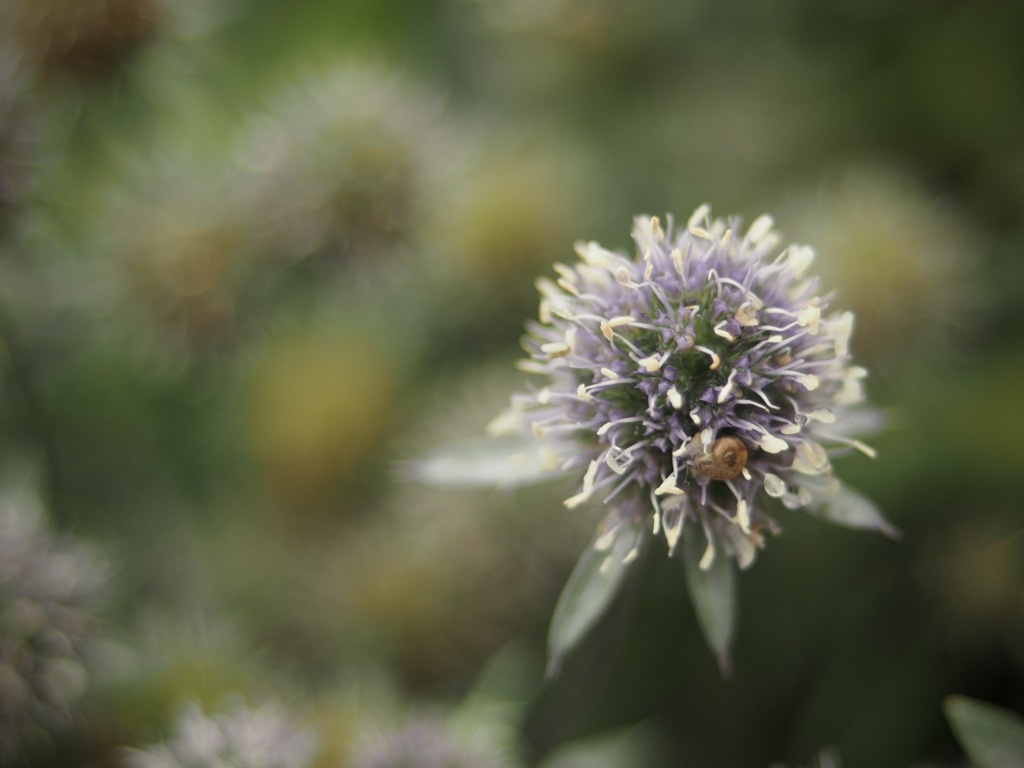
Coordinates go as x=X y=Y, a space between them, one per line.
x=673 y=526
x=809 y=381
x=567 y=286
x=760 y=227
x=746 y=315
x=544 y=311
x=726 y=391
x=708 y=558
x=744 y=547
x=809 y=317
x=677 y=261
x=658 y=362
x=864 y=448
x=799 y=258
x=574 y=501
x=588 y=487
x=555 y=349
x=843 y=329
x=772 y=444
x=699 y=216
x=608 y=326
x=774 y=485
x=675 y=399
x=743 y=515
x=617 y=461
x=810 y=458
x=668 y=486
x=651 y=364
x=533 y=366
x=824 y=415
x=715 y=359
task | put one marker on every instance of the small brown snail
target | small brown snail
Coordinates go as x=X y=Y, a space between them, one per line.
x=724 y=459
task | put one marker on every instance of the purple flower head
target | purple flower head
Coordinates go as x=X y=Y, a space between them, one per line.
x=689 y=385
x=691 y=381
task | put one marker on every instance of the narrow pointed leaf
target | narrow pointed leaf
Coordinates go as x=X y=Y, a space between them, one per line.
x=853 y=509
x=713 y=594
x=484 y=462
x=630 y=746
x=592 y=586
x=991 y=736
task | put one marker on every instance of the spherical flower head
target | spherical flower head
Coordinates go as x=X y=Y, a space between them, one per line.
x=242 y=738
x=183 y=251
x=342 y=163
x=907 y=262
x=692 y=381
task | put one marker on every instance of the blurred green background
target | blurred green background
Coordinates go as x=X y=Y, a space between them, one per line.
x=252 y=254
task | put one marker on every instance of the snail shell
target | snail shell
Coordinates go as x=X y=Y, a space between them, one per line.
x=724 y=460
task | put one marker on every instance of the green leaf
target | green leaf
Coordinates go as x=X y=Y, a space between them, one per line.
x=991 y=736
x=593 y=584
x=480 y=462
x=635 y=745
x=713 y=594
x=853 y=509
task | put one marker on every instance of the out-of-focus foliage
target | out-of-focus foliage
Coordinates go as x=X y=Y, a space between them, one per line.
x=253 y=255
x=991 y=736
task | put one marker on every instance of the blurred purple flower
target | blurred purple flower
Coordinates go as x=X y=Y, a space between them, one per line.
x=242 y=738
x=692 y=378
x=49 y=589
